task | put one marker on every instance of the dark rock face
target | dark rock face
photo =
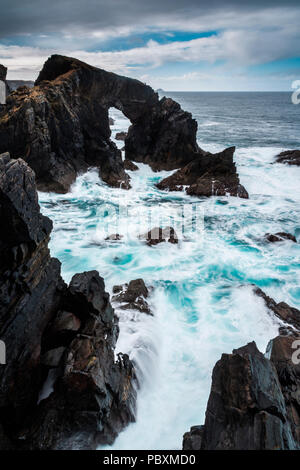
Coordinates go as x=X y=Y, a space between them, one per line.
x=158 y=235
x=93 y=397
x=129 y=165
x=50 y=329
x=132 y=296
x=246 y=408
x=207 y=175
x=164 y=136
x=282 y=310
x=121 y=135
x=282 y=351
x=292 y=157
x=30 y=289
x=279 y=237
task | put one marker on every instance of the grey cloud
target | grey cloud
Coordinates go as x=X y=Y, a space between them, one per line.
x=79 y=16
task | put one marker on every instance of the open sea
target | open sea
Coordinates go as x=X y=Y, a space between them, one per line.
x=202 y=296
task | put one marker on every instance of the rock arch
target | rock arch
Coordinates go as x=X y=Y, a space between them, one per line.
x=61 y=126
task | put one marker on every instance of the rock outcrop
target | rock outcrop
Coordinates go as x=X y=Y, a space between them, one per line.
x=279 y=237
x=3 y=73
x=207 y=175
x=246 y=409
x=61 y=125
x=291 y=157
x=121 y=135
x=57 y=336
x=159 y=235
x=289 y=315
x=132 y=296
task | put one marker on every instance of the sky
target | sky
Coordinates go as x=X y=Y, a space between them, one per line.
x=176 y=45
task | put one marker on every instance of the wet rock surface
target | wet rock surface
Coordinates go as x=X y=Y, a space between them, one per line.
x=159 y=235
x=121 y=135
x=246 y=409
x=207 y=175
x=291 y=157
x=132 y=296
x=279 y=237
x=282 y=310
x=49 y=326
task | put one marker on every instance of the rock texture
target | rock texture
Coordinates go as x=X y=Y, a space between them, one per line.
x=159 y=235
x=246 y=409
x=65 y=333
x=207 y=175
x=121 y=135
x=279 y=237
x=61 y=125
x=282 y=310
x=291 y=157
x=3 y=73
x=132 y=296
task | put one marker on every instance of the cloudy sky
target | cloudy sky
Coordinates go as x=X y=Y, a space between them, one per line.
x=170 y=44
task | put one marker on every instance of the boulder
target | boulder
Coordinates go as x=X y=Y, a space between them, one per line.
x=121 y=135
x=132 y=296
x=279 y=237
x=291 y=157
x=158 y=235
x=207 y=175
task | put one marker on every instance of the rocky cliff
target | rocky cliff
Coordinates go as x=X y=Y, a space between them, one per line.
x=61 y=387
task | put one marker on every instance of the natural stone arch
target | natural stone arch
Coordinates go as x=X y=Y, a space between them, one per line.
x=61 y=126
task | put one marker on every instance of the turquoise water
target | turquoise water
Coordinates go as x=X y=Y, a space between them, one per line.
x=202 y=298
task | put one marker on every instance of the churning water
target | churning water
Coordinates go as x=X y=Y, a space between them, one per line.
x=202 y=299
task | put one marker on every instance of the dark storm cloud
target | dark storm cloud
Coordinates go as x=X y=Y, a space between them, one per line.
x=44 y=16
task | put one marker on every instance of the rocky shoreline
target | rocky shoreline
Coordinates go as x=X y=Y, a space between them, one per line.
x=63 y=387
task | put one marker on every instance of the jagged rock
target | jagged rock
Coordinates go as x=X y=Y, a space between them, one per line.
x=61 y=125
x=129 y=165
x=192 y=439
x=207 y=175
x=94 y=397
x=121 y=135
x=30 y=290
x=49 y=326
x=246 y=408
x=282 y=310
x=132 y=296
x=292 y=157
x=284 y=352
x=279 y=237
x=164 y=137
x=111 y=121
x=158 y=235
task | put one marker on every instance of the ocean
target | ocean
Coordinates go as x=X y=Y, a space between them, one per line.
x=202 y=297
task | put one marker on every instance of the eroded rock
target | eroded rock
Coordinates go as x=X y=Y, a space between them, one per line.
x=207 y=175
x=291 y=157
x=158 y=235
x=279 y=237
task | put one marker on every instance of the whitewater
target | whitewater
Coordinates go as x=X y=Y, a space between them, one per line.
x=201 y=296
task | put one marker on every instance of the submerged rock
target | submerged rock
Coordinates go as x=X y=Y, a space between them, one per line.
x=47 y=325
x=279 y=237
x=158 y=235
x=292 y=157
x=246 y=408
x=207 y=175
